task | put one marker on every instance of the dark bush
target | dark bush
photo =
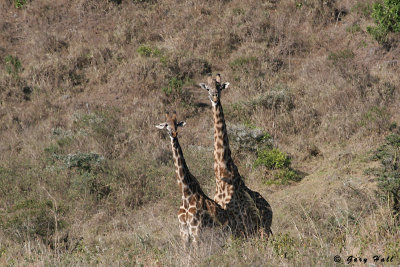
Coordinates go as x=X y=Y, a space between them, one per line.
x=389 y=174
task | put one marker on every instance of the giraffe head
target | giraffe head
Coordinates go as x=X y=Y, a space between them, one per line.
x=214 y=88
x=171 y=125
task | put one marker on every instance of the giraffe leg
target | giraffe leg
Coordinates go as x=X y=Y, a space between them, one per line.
x=194 y=233
x=194 y=228
x=184 y=232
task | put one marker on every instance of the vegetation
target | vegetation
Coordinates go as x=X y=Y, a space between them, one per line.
x=387 y=18
x=87 y=180
x=279 y=163
x=241 y=62
x=272 y=159
x=389 y=175
x=147 y=51
x=341 y=55
x=13 y=66
x=20 y=3
x=362 y=8
x=174 y=87
x=354 y=29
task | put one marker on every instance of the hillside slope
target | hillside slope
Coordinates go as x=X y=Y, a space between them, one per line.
x=86 y=178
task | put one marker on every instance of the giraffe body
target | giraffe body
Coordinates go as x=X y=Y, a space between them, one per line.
x=197 y=210
x=252 y=212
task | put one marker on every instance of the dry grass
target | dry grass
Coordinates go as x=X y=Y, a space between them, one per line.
x=86 y=179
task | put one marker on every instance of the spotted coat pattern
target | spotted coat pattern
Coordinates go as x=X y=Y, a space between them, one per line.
x=197 y=211
x=252 y=212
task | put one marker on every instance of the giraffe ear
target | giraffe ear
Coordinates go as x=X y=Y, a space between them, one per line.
x=224 y=86
x=161 y=125
x=218 y=78
x=181 y=124
x=209 y=79
x=204 y=86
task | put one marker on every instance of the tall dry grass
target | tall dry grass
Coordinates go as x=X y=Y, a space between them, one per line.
x=85 y=178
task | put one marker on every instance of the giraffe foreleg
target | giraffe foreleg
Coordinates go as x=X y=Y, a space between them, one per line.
x=194 y=234
x=184 y=230
x=194 y=228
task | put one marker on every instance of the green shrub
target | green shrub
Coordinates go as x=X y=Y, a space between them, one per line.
x=389 y=174
x=174 y=87
x=283 y=176
x=378 y=33
x=272 y=159
x=19 y=3
x=13 y=66
x=387 y=18
x=286 y=175
x=393 y=140
x=147 y=51
x=82 y=161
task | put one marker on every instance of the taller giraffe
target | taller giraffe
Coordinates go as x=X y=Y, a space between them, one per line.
x=231 y=191
x=197 y=210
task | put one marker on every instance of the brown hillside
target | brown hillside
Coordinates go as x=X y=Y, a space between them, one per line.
x=86 y=178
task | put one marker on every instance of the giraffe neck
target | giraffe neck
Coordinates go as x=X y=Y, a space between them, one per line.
x=224 y=167
x=186 y=181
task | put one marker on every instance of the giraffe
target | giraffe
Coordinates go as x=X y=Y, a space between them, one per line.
x=197 y=210
x=231 y=192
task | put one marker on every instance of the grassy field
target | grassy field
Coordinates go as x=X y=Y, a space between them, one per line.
x=87 y=180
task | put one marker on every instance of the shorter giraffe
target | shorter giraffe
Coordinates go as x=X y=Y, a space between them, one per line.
x=197 y=210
